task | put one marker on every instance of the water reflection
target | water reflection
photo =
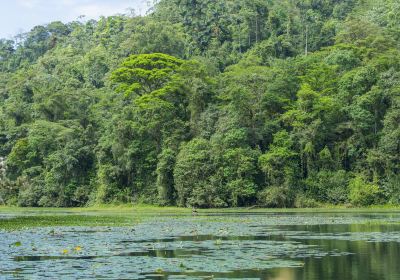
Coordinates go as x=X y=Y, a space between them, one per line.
x=270 y=246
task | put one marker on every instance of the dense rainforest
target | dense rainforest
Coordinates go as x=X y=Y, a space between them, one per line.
x=206 y=103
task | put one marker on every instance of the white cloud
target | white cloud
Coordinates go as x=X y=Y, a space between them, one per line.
x=67 y=2
x=39 y=12
x=30 y=4
x=89 y=8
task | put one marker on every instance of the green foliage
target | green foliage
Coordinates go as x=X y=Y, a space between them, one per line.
x=362 y=192
x=279 y=163
x=207 y=104
x=276 y=197
x=328 y=186
x=144 y=73
x=302 y=201
x=165 y=177
x=391 y=189
x=192 y=175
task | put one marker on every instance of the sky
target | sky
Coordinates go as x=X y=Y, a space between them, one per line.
x=17 y=16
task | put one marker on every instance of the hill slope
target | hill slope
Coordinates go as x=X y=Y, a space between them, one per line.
x=206 y=103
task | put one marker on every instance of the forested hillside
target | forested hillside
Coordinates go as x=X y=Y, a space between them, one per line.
x=206 y=103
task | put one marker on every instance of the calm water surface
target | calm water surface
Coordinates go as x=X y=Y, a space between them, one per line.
x=275 y=246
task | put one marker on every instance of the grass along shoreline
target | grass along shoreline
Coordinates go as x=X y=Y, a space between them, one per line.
x=149 y=209
x=18 y=218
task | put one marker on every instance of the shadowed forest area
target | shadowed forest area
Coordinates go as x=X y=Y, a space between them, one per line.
x=206 y=103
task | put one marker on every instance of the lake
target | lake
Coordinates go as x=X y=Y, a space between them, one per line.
x=211 y=245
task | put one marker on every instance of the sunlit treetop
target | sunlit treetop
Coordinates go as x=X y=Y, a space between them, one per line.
x=145 y=73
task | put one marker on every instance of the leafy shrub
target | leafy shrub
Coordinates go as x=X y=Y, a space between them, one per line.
x=391 y=189
x=205 y=196
x=363 y=193
x=276 y=197
x=192 y=174
x=302 y=201
x=240 y=191
x=328 y=186
x=8 y=192
x=29 y=193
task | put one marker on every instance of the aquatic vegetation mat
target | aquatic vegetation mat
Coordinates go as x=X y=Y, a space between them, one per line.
x=183 y=247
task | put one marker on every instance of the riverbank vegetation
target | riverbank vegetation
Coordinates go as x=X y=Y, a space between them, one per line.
x=110 y=217
x=226 y=103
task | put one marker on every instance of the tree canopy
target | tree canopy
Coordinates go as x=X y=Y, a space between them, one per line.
x=206 y=103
